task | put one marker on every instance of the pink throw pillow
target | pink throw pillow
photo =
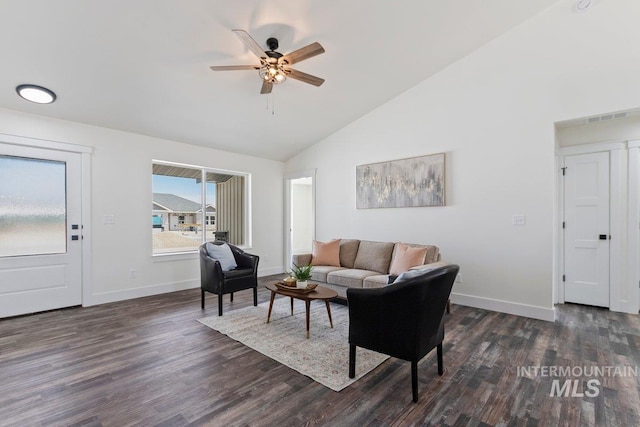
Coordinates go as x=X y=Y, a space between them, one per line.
x=326 y=253
x=406 y=257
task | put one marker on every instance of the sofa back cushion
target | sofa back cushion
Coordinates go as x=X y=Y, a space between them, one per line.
x=348 y=252
x=374 y=256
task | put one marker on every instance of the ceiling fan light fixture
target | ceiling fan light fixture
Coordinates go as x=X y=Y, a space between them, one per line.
x=272 y=73
x=37 y=94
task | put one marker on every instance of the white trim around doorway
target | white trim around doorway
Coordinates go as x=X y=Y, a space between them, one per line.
x=85 y=152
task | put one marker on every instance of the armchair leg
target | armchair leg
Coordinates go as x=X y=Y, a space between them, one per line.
x=231 y=296
x=202 y=298
x=414 y=380
x=352 y=360
x=220 y=305
x=440 y=364
x=448 y=306
x=255 y=296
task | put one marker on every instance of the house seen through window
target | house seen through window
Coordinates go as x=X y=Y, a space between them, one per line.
x=192 y=205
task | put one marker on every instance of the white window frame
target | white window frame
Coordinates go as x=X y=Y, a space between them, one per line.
x=204 y=170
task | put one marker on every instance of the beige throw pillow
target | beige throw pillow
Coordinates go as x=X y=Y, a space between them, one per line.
x=406 y=257
x=326 y=253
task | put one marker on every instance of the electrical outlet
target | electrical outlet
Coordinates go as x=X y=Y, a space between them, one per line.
x=133 y=273
x=519 y=220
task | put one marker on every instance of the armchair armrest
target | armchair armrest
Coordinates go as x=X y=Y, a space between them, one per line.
x=211 y=275
x=244 y=259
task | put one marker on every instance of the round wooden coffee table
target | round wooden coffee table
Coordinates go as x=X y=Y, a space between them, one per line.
x=319 y=293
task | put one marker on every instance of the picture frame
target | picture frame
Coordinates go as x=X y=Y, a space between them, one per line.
x=412 y=182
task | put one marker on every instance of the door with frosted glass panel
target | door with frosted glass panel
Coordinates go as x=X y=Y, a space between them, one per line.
x=40 y=230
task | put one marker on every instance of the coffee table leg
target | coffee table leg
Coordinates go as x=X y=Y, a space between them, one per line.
x=292 y=306
x=307 y=304
x=273 y=295
x=329 y=313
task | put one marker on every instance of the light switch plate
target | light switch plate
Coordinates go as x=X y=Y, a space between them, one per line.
x=109 y=219
x=519 y=220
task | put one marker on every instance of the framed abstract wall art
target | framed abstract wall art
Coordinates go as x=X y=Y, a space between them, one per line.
x=413 y=182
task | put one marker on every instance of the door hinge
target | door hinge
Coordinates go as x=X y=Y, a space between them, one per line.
x=563 y=224
x=564 y=169
x=564 y=278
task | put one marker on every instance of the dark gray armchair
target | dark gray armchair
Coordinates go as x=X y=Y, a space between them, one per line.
x=404 y=319
x=216 y=281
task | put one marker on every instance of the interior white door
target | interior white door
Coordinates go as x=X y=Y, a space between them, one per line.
x=40 y=230
x=586 y=232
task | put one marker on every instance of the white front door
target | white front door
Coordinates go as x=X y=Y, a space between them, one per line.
x=40 y=230
x=586 y=232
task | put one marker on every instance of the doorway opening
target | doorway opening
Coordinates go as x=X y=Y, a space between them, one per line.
x=598 y=215
x=300 y=214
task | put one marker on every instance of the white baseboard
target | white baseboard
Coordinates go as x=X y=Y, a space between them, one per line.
x=508 y=307
x=126 y=294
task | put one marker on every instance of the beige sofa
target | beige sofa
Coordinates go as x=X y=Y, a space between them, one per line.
x=363 y=264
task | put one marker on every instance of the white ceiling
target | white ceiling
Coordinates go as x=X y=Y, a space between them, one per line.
x=143 y=65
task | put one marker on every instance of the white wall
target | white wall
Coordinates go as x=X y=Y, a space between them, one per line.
x=493 y=113
x=121 y=185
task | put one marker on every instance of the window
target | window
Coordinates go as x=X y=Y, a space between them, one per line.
x=190 y=204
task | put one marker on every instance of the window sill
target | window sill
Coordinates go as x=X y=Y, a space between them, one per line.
x=175 y=256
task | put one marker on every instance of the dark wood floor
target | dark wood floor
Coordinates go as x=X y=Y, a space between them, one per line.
x=149 y=362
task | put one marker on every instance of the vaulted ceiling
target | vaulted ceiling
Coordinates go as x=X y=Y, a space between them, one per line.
x=143 y=66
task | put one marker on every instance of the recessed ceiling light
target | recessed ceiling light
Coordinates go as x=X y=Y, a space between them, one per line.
x=37 y=94
x=584 y=5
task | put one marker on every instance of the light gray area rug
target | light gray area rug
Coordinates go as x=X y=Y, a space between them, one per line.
x=324 y=357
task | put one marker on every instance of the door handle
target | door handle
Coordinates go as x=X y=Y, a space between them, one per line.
x=603 y=237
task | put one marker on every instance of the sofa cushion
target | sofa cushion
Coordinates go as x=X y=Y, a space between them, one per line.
x=377 y=281
x=348 y=252
x=320 y=272
x=326 y=253
x=374 y=256
x=351 y=278
x=405 y=257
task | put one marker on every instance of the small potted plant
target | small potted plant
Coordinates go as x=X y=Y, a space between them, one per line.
x=302 y=273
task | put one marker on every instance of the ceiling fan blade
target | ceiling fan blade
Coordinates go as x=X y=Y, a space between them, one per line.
x=234 y=67
x=266 y=87
x=250 y=43
x=303 y=53
x=303 y=77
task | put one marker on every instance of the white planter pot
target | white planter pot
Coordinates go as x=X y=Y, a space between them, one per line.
x=301 y=284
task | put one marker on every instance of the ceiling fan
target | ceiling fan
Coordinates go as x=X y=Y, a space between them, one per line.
x=274 y=66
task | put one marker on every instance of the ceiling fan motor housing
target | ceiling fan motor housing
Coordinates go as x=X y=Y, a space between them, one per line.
x=272 y=43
